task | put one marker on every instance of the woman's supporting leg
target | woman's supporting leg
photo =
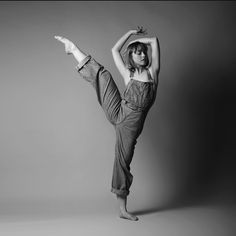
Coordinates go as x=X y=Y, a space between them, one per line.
x=122 y=177
x=123 y=213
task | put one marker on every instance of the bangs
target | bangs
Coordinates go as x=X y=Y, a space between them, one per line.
x=141 y=48
x=137 y=46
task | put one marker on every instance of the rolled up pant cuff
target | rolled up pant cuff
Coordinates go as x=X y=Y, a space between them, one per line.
x=83 y=62
x=122 y=193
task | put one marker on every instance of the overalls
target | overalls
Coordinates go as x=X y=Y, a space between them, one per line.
x=127 y=114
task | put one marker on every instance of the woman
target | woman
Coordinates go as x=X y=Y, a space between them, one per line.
x=126 y=113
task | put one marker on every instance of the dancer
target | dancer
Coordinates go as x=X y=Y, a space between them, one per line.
x=126 y=112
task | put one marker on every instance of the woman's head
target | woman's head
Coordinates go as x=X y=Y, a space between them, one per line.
x=137 y=55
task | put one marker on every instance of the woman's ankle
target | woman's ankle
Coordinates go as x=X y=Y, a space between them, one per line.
x=79 y=56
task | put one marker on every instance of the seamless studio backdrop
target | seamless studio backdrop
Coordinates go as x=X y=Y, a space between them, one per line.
x=56 y=146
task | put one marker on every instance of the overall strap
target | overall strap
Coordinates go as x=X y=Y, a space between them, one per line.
x=149 y=74
x=129 y=83
x=131 y=75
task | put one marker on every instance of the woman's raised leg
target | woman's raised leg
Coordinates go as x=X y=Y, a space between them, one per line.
x=107 y=92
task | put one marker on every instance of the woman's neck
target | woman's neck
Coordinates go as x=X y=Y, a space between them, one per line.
x=139 y=70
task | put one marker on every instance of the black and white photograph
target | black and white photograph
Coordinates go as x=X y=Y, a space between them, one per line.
x=117 y=118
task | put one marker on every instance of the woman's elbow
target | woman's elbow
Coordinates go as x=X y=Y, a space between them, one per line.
x=115 y=52
x=115 y=49
x=155 y=39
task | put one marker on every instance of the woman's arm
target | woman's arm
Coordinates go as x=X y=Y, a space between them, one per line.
x=155 y=54
x=117 y=55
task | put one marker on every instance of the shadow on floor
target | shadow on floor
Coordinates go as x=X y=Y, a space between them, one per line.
x=156 y=209
x=228 y=203
x=181 y=204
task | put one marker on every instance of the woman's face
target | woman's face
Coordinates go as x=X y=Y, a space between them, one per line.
x=139 y=57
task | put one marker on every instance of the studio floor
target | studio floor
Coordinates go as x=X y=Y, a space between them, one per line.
x=200 y=220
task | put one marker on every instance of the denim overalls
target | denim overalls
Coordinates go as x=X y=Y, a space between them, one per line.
x=127 y=114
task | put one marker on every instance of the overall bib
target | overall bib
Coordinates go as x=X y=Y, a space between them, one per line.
x=126 y=113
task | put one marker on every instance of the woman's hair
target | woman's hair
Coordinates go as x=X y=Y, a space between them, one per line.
x=133 y=47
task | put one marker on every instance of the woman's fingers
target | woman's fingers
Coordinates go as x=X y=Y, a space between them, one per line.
x=140 y=30
x=140 y=27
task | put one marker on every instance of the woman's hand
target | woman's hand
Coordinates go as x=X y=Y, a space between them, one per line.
x=139 y=31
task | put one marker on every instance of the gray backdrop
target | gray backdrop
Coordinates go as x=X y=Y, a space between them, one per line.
x=55 y=142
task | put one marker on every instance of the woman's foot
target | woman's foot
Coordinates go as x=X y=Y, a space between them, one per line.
x=69 y=46
x=122 y=200
x=126 y=215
